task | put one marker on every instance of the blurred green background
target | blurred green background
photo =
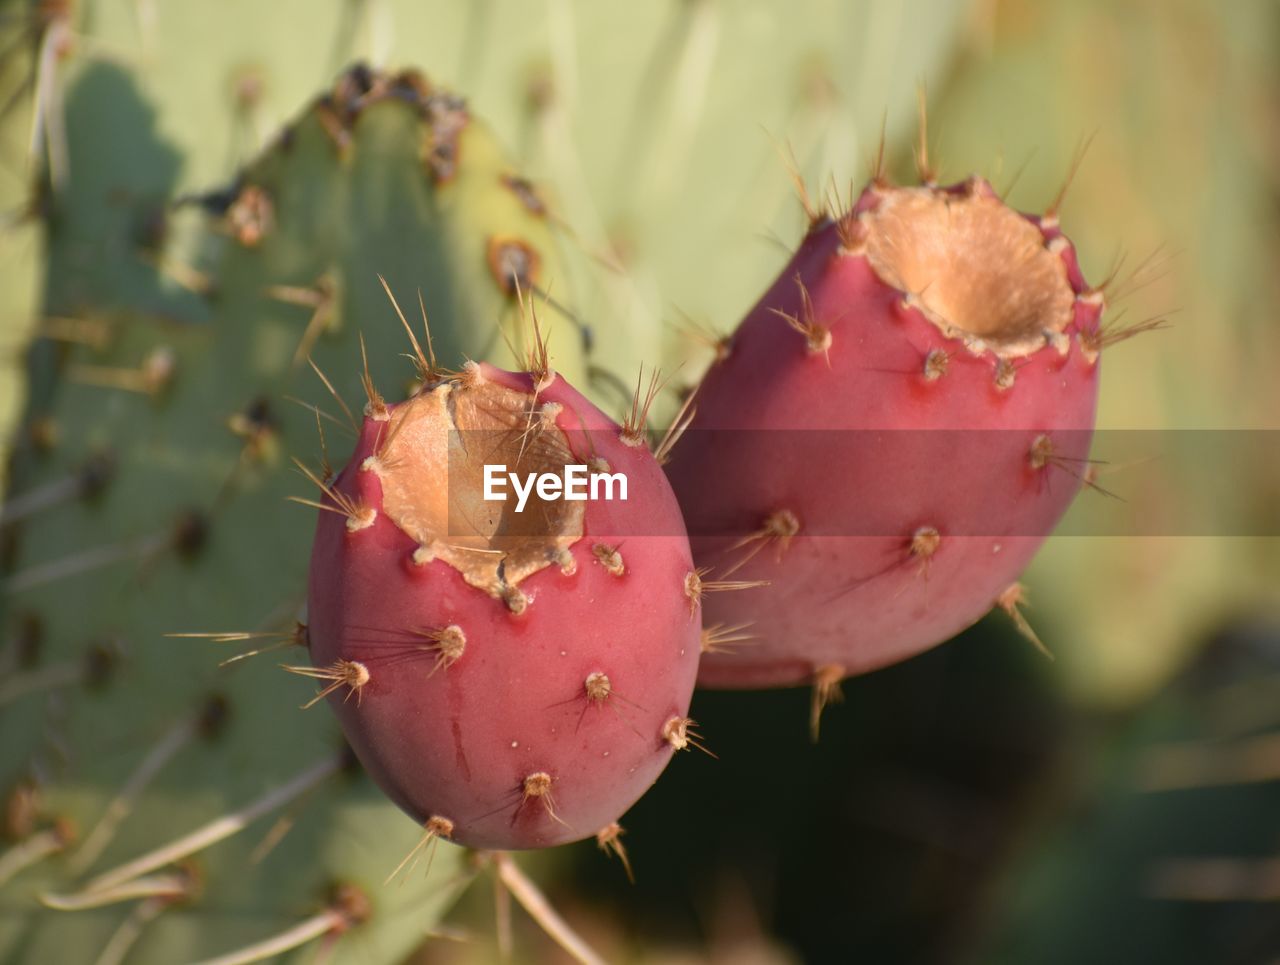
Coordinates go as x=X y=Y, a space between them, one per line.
x=978 y=803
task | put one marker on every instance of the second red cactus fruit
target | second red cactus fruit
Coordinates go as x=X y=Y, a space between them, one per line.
x=890 y=433
x=510 y=678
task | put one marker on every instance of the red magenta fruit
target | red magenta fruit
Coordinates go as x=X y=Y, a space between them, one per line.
x=508 y=677
x=890 y=433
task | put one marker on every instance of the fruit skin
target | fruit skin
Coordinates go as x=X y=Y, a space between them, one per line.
x=459 y=738
x=920 y=495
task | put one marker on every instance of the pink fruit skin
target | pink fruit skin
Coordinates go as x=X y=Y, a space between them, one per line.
x=857 y=598
x=459 y=742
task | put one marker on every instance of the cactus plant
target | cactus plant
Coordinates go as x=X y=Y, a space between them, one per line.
x=182 y=427
x=152 y=454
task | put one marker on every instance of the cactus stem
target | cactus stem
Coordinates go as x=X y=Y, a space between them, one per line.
x=41 y=845
x=724 y=637
x=535 y=903
x=351 y=674
x=778 y=528
x=609 y=840
x=122 y=804
x=220 y=828
x=437 y=827
x=1009 y=601
x=826 y=691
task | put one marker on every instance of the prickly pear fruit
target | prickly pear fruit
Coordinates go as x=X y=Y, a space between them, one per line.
x=511 y=676
x=890 y=433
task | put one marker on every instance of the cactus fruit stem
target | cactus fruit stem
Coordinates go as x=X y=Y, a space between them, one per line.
x=535 y=903
x=220 y=828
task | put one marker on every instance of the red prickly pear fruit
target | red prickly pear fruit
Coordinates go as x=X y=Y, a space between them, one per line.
x=945 y=347
x=506 y=677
